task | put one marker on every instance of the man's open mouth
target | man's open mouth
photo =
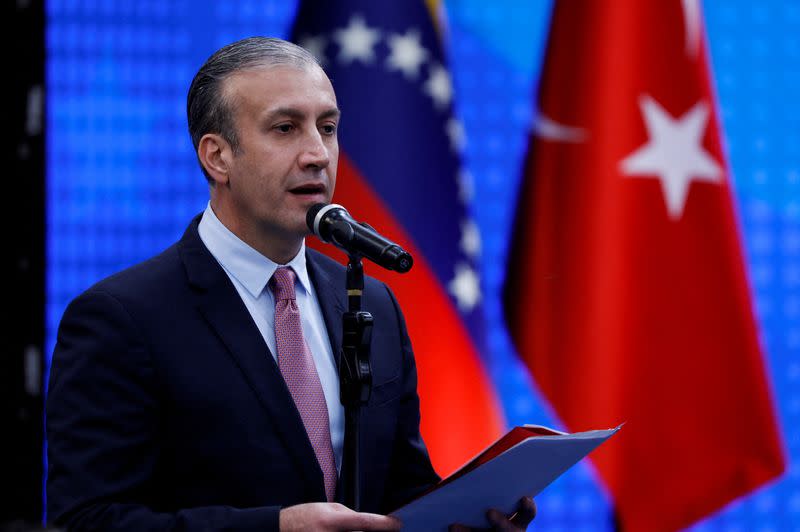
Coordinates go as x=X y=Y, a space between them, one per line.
x=308 y=189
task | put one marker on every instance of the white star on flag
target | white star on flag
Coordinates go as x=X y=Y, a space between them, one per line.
x=465 y=287
x=674 y=153
x=438 y=86
x=406 y=54
x=356 y=41
x=466 y=186
x=315 y=45
x=458 y=137
x=470 y=238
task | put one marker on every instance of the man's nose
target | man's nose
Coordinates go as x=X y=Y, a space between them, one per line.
x=314 y=152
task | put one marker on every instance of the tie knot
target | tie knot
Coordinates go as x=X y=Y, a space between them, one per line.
x=282 y=283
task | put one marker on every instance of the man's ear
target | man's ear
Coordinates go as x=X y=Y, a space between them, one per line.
x=215 y=154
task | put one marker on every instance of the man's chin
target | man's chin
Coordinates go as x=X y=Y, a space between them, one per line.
x=301 y=230
x=305 y=204
x=306 y=201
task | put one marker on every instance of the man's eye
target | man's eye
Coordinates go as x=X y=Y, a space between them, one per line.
x=329 y=129
x=284 y=128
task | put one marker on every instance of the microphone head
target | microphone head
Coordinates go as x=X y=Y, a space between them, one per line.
x=311 y=215
x=328 y=212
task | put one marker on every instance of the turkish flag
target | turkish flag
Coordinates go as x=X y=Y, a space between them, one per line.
x=626 y=293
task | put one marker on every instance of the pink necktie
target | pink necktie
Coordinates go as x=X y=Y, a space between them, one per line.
x=297 y=367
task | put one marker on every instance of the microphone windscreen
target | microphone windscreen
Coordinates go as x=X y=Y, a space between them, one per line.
x=312 y=214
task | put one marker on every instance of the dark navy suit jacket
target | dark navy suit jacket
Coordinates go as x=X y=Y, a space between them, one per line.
x=166 y=411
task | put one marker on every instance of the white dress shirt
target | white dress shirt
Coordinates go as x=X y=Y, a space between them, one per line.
x=250 y=271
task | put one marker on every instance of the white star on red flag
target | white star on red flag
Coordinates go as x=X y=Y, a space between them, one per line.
x=674 y=154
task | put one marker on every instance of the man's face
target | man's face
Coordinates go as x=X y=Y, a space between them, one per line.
x=286 y=121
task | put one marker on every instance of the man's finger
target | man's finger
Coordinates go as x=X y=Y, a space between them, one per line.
x=367 y=521
x=526 y=511
x=500 y=521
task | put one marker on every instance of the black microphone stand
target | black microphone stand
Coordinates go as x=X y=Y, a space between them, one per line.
x=355 y=378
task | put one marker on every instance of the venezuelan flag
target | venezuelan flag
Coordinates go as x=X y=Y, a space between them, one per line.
x=400 y=169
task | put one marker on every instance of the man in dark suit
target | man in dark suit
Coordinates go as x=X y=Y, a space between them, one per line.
x=198 y=390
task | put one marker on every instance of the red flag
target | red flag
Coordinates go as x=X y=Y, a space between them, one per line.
x=626 y=294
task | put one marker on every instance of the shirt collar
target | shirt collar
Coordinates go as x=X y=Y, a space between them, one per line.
x=241 y=261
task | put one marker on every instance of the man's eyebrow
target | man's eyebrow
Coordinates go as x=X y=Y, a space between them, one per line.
x=331 y=113
x=291 y=112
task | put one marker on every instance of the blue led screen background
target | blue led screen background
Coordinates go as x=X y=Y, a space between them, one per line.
x=123 y=182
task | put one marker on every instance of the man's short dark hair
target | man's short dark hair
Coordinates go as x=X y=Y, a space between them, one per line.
x=206 y=107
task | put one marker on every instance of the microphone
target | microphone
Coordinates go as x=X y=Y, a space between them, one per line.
x=334 y=225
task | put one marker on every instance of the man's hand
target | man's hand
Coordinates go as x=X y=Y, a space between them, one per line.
x=331 y=516
x=516 y=522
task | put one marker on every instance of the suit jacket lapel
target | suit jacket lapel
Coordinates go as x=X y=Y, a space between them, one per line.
x=227 y=315
x=332 y=297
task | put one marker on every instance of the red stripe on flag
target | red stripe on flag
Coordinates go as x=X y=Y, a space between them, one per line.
x=460 y=411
